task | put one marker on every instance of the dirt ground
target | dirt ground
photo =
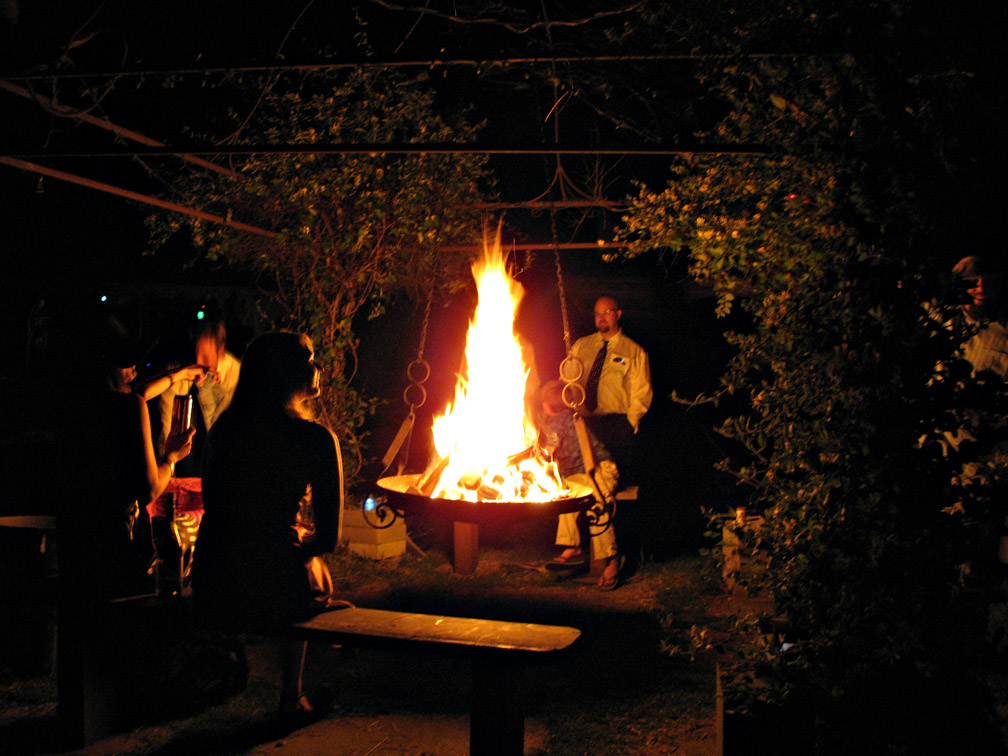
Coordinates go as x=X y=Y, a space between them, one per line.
x=618 y=690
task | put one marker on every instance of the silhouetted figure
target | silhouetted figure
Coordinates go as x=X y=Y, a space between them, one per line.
x=111 y=469
x=263 y=456
x=109 y=475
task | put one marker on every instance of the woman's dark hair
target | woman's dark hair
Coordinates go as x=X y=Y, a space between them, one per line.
x=276 y=372
x=98 y=348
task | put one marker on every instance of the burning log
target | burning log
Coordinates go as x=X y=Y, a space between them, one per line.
x=431 y=479
x=515 y=459
x=471 y=480
x=488 y=493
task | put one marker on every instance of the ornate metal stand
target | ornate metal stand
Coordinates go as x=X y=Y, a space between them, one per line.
x=397 y=497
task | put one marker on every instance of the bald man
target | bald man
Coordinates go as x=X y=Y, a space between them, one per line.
x=617 y=383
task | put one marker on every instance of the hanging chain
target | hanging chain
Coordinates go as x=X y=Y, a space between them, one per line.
x=414 y=395
x=418 y=371
x=571 y=369
x=426 y=320
x=560 y=285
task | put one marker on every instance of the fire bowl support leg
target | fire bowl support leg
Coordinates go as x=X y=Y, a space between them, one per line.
x=465 y=547
x=497 y=724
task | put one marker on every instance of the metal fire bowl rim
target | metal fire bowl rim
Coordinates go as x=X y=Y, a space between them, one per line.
x=474 y=512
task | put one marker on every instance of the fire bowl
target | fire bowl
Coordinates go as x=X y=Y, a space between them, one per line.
x=401 y=494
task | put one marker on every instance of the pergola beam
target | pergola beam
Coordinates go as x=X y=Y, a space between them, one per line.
x=430 y=63
x=404 y=148
x=43 y=170
x=135 y=196
x=103 y=123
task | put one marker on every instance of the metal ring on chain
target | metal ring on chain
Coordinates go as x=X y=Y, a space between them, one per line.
x=418 y=364
x=571 y=369
x=576 y=389
x=418 y=388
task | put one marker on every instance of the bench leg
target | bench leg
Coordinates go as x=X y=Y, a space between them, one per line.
x=102 y=687
x=497 y=722
x=466 y=547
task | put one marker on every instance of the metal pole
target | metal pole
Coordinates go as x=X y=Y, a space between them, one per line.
x=144 y=198
x=104 y=123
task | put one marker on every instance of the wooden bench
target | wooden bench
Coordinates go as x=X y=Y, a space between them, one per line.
x=140 y=660
x=501 y=652
x=109 y=655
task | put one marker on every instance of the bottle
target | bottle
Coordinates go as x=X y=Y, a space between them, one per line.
x=181 y=419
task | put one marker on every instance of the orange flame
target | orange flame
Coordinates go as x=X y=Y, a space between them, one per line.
x=485 y=427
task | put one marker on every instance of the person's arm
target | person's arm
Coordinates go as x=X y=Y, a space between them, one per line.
x=640 y=388
x=327 y=495
x=160 y=473
x=162 y=383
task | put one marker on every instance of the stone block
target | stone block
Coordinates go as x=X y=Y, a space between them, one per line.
x=365 y=540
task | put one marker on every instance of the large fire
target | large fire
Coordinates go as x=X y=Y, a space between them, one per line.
x=485 y=441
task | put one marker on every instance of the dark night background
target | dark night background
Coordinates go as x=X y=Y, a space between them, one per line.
x=64 y=246
x=168 y=70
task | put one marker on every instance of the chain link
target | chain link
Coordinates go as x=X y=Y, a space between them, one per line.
x=560 y=284
x=413 y=396
x=426 y=319
x=418 y=371
x=571 y=369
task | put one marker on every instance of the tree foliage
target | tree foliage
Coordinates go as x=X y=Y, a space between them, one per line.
x=351 y=231
x=831 y=242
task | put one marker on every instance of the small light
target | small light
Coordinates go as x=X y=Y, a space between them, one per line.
x=370 y=504
x=200 y=315
x=104 y=298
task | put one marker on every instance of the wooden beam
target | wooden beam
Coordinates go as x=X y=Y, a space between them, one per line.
x=409 y=148
x=135 y=196
x=103 y=123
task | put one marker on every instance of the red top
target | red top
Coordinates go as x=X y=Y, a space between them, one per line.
x=188 y=497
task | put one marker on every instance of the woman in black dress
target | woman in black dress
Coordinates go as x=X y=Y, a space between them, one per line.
x=263 y=456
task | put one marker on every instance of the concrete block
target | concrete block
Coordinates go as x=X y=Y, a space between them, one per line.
x=368 y=541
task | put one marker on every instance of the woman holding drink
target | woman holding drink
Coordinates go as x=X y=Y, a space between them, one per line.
x=103 y=518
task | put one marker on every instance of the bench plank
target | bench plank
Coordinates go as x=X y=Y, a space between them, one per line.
x=497 y=718
x=356 y=623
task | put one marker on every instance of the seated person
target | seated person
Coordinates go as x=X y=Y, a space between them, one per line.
x=263 y=455
x=560 y=439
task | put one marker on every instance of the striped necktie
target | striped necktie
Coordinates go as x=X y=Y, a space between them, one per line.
x=591 y=387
